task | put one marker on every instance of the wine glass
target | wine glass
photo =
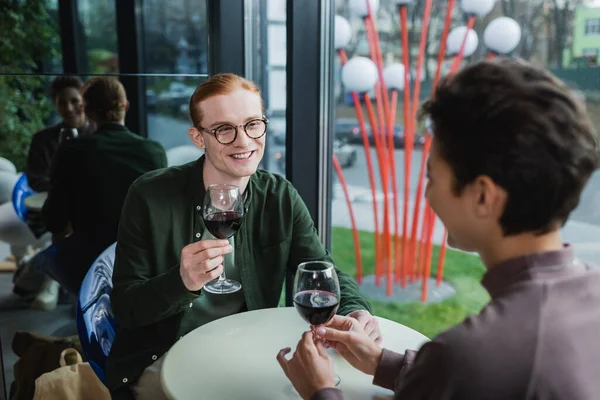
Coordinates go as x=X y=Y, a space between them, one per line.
x=222 y=213
x=317 y=294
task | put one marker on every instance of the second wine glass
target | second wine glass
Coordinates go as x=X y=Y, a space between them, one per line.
x=222 y=213
x=317 y=294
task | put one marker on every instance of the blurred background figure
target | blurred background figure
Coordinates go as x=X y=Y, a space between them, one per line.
x=89 y=181
x=66 y=97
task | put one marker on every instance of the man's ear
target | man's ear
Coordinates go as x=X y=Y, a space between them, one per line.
x=197 y=137
x=489 y=198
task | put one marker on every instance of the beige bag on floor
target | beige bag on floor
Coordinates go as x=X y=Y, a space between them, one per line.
x=74 y=380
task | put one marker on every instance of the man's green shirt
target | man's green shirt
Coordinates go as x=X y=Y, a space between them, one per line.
x=163 y=214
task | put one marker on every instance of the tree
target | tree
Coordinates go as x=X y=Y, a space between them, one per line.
x=29 y=37
x=561 y=16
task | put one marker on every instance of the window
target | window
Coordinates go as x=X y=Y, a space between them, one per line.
x=592 y=26
x=582 y=230
x=97 y=19
x=31 y=49
x=268 y=53
x=175 y=37
x=176 y=60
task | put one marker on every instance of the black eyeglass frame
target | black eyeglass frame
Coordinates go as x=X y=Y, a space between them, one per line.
x=236 y=128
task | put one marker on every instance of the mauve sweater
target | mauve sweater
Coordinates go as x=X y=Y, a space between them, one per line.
x=538 y=338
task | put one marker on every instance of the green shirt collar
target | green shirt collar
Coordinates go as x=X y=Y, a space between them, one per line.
x=198 y=190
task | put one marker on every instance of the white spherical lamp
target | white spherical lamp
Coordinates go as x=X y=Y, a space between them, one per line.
x=342 y=34
x=479 y=8
x=358 y=8
x=456 y=37
x=393 y=75
x=502 y=35
x=405 y=3
x=359 y=74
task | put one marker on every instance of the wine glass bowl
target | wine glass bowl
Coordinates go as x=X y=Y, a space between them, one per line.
x=316 y=292
x=222 y=213
x=317 y=295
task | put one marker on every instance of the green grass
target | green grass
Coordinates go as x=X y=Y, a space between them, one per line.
x=463 y=271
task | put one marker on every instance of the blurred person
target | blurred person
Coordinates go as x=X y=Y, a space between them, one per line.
x=164 y=256
x=89 y=181
x=511 y=153
x=66 y=97
x=67 y=100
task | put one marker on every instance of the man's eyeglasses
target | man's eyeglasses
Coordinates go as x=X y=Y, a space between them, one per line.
x=227 y=134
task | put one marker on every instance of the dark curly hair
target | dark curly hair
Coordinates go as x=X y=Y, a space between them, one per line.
x=522 y=127
x=62 y=82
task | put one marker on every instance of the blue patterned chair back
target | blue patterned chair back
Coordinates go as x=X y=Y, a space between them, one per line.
x=95 y=321
x=20 y=192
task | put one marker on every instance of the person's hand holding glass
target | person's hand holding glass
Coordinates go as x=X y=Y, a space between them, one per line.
x=222 y=213
x=316 y=298
x=316 y=292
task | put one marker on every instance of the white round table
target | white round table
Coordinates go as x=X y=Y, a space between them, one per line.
x=36 y=201
x=234 y=358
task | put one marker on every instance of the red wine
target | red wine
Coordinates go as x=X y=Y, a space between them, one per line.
x=223 y=224
x=315 y=306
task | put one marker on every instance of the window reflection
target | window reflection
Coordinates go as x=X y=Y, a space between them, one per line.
x=176 y=55
x=167 y=105
x=98 y=19
x=175 y=37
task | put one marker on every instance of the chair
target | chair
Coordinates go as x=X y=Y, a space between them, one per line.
x=94 y=317
x=20 y=192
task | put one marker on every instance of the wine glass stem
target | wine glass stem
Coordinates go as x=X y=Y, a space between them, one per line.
x=223 y=277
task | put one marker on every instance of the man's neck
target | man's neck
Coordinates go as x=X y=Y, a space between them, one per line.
x=212 y=176
x=122 y=122
x=518 y=246
x=71 y=126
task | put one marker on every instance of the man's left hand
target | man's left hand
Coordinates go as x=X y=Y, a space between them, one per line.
x=369 y=324
x=310 y=369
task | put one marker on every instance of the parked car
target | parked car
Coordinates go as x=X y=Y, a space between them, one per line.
x=343 y=128
x=356 y=137
x=342 y=131
x=345 y=153
x=174 y=99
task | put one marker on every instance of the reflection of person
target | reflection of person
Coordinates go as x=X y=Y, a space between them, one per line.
x=161 y=265
x=67 y=100
x=89 y=182
x=511 y=153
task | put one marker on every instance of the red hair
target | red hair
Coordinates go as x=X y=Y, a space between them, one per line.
x=217 y=85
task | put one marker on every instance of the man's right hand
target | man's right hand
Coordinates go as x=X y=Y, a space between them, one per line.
x=346 y=335
x=202 y=262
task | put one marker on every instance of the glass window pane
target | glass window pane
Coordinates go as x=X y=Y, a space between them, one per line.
x=175 y=37
x=98 y=20
x=270 y=48
x=558 y=37
x=167 y=106
x=176 y=55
